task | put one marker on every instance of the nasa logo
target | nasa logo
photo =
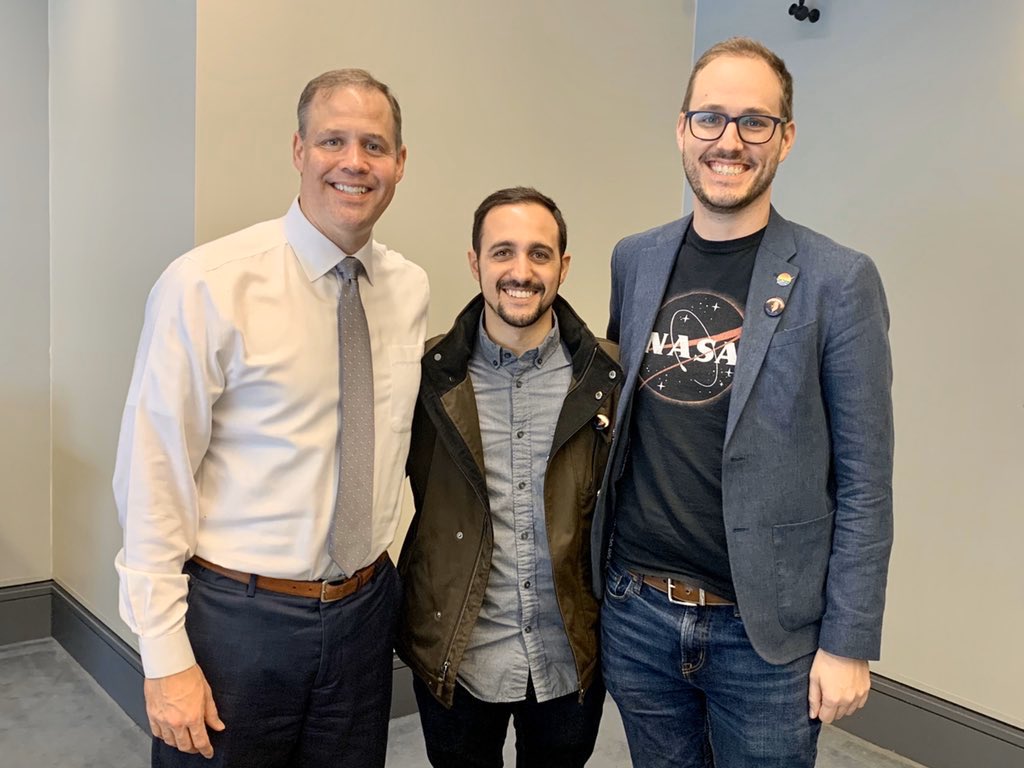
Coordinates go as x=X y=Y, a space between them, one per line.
x=692 y=351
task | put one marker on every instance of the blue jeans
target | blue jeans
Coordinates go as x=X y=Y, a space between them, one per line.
x=692 y=691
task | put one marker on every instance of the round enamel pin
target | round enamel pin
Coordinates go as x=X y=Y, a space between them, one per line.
x=783 y=279
x=773 y=307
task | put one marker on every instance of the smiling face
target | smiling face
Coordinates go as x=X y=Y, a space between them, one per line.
x=519 y=268
x=728 y=176
x=349 y=164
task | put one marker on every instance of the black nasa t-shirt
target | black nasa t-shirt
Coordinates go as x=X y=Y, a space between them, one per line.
x=668 y=520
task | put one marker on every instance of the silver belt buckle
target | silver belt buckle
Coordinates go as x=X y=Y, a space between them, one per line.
x=323 y=589
x=688 y=603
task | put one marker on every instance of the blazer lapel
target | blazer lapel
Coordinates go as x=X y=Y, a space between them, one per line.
x=777 y=248
x=653 y=269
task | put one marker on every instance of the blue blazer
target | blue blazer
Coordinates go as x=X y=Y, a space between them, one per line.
x=807 y=459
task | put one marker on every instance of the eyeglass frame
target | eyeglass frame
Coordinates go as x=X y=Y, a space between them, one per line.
x=776 y=122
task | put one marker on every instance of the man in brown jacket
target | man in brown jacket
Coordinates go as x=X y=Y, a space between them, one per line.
x=509 y=443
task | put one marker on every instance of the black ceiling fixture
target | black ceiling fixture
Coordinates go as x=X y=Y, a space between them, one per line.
x=799 y=11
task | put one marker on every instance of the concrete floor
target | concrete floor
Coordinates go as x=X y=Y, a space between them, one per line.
x=53 y=715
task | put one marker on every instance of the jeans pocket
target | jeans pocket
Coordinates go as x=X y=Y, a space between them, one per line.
x=617 y=582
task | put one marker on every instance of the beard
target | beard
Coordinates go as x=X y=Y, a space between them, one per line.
x=524 y=318
x=728 y=202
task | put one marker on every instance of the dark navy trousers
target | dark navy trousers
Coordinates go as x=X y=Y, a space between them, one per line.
x=559 y=733
x=297 y=682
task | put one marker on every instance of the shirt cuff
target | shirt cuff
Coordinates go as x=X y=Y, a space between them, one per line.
x=166 y=655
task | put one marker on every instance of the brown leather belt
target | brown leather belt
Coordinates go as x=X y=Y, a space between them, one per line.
x=681 y=593
x=325 y=591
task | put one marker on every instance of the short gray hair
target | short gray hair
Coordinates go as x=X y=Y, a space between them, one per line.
x=347 y=78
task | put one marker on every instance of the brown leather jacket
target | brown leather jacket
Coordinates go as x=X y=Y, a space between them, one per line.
x=447 y=554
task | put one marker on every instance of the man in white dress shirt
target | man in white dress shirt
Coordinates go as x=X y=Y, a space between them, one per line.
x=258 y=648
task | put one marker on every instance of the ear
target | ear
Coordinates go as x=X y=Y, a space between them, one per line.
x=298 y=152
x=788 y=137
x=566 y=258
x=474 y=264
x=400 y=166
x=681 y=130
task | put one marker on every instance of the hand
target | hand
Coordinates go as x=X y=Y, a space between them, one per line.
x=179 y=707
x=839 y=686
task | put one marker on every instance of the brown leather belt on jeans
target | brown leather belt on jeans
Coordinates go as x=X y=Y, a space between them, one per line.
x=681 y=593
x=325 y=591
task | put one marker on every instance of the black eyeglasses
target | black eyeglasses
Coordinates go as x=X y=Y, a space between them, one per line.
x=753 y=129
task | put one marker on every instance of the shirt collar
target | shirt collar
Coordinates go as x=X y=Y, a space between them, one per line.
x=498 y=356
x=315 y=252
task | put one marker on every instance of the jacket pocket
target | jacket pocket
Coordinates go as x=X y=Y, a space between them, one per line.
x=794 y=335
x=802 y=552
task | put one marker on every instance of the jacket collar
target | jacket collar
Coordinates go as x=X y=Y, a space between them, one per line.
x=446 y=360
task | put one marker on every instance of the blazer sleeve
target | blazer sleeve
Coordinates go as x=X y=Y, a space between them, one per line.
x=856 y=377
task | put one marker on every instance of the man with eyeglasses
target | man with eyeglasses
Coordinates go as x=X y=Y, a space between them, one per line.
x=743 y=532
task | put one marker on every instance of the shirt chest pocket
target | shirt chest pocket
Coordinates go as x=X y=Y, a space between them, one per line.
x=404 y=367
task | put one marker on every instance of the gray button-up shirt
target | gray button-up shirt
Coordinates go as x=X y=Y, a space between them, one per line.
x=519 y=633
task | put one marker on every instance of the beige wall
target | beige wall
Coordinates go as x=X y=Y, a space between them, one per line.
x=889 y=158
x=122 y=107
x=24 y=287
x=575 y=97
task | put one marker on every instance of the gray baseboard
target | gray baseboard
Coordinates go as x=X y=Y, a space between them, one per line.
x=110 y=661
x=914 y=724
x=25 y=612
x=932 y=731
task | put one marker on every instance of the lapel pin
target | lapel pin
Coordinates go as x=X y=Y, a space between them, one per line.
x=783 y=279
x=773 y=307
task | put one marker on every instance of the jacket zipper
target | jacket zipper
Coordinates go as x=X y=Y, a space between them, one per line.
x=443 y=675
x=561 y=613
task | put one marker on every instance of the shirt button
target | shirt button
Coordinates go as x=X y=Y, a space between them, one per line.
x=494 y=363
x=458 y=535
x=526 y=585
x=519 y=433
x=522 y=485
x=519 y=383
x=524 y=536
x=528 y=629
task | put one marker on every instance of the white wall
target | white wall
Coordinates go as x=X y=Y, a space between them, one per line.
x=908 y=147
x=24 y=296
x=122 y=109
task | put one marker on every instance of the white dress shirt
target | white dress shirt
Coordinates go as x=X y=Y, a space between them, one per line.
x=228 y=444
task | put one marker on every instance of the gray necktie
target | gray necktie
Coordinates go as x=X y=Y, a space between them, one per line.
x=350 y=538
